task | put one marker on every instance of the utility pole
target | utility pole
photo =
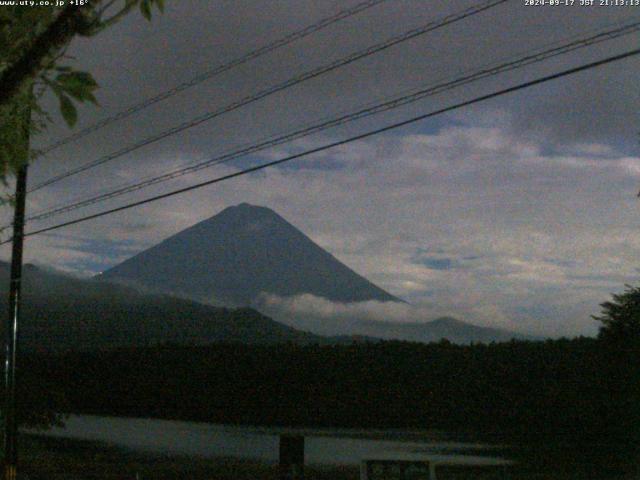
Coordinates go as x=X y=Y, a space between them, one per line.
x=15 y=284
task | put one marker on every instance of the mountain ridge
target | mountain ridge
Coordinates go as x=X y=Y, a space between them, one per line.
x=427 y=331
x=61 y=312
x=447 y=328
x=242 y=252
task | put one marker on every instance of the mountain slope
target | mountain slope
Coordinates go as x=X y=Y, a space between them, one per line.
x=62 y=312
x=65 y=313
x=456 y=331
x=235 y=256
x=427 y=331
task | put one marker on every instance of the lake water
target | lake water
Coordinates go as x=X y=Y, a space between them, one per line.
x=346 y=447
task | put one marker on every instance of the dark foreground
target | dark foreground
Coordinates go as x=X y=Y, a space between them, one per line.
x=573 y=405
x=45 y=458
x=579 y=390
x=56 y=459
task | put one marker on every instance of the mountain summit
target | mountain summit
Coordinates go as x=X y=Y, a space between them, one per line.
x=239 y=254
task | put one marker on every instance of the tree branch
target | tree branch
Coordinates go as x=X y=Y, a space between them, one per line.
x=71 y=21
x=116 y=17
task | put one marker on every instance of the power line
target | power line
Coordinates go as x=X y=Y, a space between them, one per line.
x=375 y=109
x=279 y=43
x=371 y=50
x=367 y=109
x=362 y=136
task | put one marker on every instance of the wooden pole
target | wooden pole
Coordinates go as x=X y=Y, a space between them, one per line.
x=291 y=457
x=13 y=317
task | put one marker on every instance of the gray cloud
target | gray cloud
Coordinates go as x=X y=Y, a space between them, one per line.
x=529 y=197
x=137 y=59
x=528 y=233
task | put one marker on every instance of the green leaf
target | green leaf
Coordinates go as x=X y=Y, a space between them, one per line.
x=91 y=98
x=160 y=5
x=68 y=109
x=56 y=89
x=79 y=85
x=77 y=78
x=145 y=8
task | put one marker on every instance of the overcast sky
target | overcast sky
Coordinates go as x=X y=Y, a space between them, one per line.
x=517 y=212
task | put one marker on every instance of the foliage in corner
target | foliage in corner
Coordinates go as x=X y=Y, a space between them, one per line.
x=32 y=47
x=22 y=30
x=14 y=136
x=68 y=84
x=620 y=317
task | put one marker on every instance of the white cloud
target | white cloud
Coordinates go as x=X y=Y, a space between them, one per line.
x=535 y=243
x=310 y=305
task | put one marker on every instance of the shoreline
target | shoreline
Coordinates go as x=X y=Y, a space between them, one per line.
x=44 y=457
x=323 y=446
x=466 y=439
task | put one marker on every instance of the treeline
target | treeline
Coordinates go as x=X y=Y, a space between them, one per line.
x=566 y=389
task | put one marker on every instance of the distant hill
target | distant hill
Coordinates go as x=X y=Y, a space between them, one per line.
x=456 y=331
x=61 y=312
x=245 y=251
x=240 y=253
